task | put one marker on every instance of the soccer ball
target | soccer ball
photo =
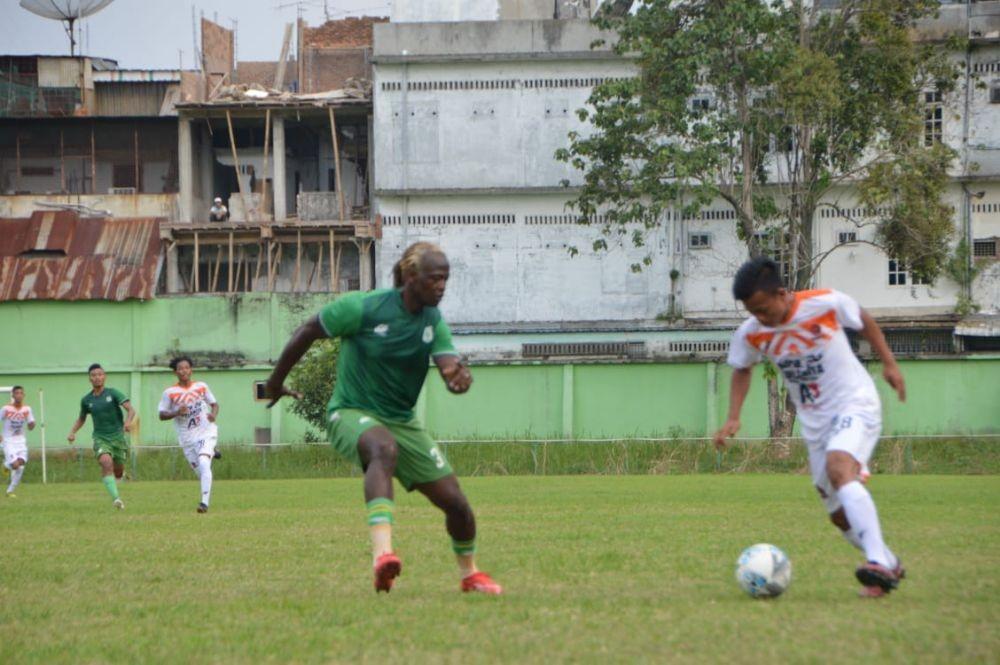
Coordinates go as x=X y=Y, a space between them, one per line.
x=763 y=571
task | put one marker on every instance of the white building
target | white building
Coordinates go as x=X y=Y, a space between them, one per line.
x=469 y=109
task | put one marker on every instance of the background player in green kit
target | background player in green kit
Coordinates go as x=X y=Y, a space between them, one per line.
x=105 y=408
x=388 y=337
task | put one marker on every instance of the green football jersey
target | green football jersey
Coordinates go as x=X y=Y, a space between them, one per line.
x=105 y=410
x=384 y=351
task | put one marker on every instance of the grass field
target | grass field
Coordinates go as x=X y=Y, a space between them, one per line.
x=971 y=456
x=596 y=569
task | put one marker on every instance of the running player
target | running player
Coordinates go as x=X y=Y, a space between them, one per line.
x=388 y=338
x=15 y=416
x=802 y=333
x=192 y=407
x=110 y=446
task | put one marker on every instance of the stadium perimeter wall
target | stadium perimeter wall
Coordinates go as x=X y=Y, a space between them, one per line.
x=48 y=345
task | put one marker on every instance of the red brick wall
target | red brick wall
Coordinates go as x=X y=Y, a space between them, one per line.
x=328 y=69
x=345 y=33
x=218 y=46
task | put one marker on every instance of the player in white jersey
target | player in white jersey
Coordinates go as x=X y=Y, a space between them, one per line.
x=803 y=334
x=192 y=407
x=15 y=416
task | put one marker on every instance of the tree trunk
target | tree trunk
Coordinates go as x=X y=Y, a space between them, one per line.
x=781 y=416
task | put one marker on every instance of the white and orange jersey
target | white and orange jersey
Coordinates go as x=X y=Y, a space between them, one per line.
x=193 y=426
x=15 y=421
x=812 y=352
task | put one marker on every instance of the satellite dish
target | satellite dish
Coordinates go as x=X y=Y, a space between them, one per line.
x=67 y=11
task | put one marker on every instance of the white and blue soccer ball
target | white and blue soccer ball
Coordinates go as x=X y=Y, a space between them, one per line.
x=763 y=571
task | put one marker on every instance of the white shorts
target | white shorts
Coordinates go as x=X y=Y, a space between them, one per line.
x=14 y=450
x=855 y=433
x=192 y=451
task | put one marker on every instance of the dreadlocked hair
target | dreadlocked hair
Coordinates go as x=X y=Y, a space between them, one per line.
x=410 y=262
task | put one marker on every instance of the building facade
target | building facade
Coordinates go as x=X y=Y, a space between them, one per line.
x=470 y=108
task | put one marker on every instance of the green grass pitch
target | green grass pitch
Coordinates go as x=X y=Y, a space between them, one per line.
x=596 y=569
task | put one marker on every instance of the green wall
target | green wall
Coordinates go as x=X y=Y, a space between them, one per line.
x=48 y=345
x=51 y=344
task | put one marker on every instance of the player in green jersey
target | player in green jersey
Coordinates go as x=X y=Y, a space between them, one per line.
x=105 y=408
x=388 y=338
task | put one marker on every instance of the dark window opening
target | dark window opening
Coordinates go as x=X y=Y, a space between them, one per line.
x=984 y=248
x=29 y=171
x=933 y=118
x=981 y=343
x=44 y=254
x=123 y=176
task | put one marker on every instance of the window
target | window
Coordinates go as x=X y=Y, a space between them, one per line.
x=699 y=240
x=28 y=171
x=784 y=140
x=701 y=104
x=995 y=94
x=123 y=175
x=899 y=275
x=984 y=248
x=933 y=117
x=775 y=247
x=845 y=237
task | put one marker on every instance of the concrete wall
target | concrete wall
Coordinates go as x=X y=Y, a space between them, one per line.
x=242 y=336
x=520 y=10
x=123 y=205
x=511 y=261
x=134 y=341
x=480 y=125
x=443 y=10
x=483 y=39
x=467 y=119
x=61 y=72
x=686 y=399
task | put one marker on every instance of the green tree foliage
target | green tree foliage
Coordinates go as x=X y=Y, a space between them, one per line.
x=769 y=106
x=315 y=376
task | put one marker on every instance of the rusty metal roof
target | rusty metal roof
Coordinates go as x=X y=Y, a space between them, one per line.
x=56 y=255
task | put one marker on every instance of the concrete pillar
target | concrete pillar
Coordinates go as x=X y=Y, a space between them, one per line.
x=568 y=408
x=185 y=168
x=365 y=278
x=173 y=272
x=712 y=412
x=280 y=196
x=206 y=168
x=276 y=412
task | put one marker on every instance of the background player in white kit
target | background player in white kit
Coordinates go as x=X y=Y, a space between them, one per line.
x=192 y=407
x=15 y=417
x=838 y=408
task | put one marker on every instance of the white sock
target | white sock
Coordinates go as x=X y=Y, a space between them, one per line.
x=15 y=478
x=205 y=473
x=851 y=536
x=863 y=518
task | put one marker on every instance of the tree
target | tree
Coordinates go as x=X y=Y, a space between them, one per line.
x=768 y=105
x=315 y=377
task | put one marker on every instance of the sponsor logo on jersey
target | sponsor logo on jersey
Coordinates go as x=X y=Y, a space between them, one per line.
x=428 y=335
x=381 y=329
x=802 y=338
